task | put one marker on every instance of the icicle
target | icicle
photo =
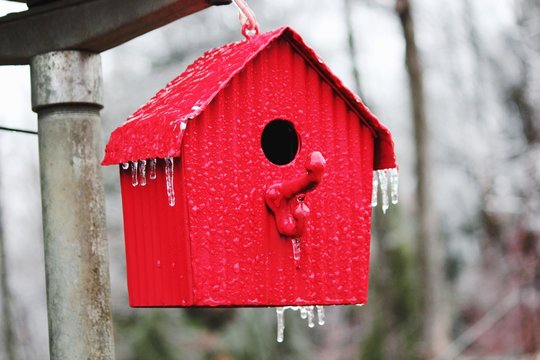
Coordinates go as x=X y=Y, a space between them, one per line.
x=375 y=190
x=280 y=323
x=320 y=314
x=125 y=165
x=134 y=178
x=311 y=316
x=388 y=179
x=152 y=163
x=296 y=249
x=142 y=172
x=306 y=312
x=169 y=174
x=394 y=183
x=383 y=180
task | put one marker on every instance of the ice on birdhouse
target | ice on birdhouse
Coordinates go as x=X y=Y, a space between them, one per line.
x=142 y=172
x=303 y=312
x=320 y=314
x=169 y=177
x=306 y=312
x=296 y=249
x=310 y=316
x=388 y=181
x=280 y=323
x=383 y=180
x=394 y=185
x=134 y=172
x=152 y=164
x=375 y=191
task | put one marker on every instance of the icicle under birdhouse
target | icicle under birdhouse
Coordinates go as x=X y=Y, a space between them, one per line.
x=306 y=312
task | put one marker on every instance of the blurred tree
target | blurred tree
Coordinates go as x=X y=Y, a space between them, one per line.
x=509 y=257
x=395 y=328
x=146 y=337
x=429 y=247
x=393 y=325
x=351 y=45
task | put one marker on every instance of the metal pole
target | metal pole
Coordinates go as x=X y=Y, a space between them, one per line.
x=67 y=95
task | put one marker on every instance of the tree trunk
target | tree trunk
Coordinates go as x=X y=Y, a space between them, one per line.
x=520 y=95
x=351 y=45
x=433 y=309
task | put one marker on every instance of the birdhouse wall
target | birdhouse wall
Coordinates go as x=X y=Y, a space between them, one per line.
x=157 y=244
x=237 y=255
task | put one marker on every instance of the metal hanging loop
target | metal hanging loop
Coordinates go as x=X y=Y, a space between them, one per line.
x=250 y=27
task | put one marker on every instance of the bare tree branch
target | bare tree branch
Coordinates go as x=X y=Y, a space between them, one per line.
x=351 y=45
x=491 y=317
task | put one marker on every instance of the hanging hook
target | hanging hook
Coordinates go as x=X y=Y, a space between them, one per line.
x=250 y=27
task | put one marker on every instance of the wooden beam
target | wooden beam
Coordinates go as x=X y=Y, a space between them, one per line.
x=31 y=3
x=91 y=25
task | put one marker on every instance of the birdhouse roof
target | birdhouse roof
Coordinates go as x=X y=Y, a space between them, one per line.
x=156 y=129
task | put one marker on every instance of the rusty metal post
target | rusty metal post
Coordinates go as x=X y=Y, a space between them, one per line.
x=67 y=95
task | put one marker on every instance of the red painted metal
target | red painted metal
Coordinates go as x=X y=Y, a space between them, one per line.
x=286 y=198
x=157 y=128
x=219 y=245
x=158 y=254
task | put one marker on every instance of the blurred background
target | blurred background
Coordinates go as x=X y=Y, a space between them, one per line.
x=455 y=266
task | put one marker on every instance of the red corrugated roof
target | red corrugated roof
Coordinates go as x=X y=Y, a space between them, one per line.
x=156 y=129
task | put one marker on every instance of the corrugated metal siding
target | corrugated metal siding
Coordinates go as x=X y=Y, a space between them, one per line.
x=157 y=248
x=238 y=256
x=219 y=245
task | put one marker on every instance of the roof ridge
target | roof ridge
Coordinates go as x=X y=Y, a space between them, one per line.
x=197 y=109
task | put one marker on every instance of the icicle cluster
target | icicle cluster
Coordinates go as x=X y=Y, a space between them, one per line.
x=384 y=178
x=139 y=170
x=306 y=312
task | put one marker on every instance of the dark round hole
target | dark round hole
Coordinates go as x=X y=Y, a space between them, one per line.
x=279 y=142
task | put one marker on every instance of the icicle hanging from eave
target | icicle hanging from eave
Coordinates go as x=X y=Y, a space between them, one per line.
x=169 y=172
x=384 y=179
x=139 y=174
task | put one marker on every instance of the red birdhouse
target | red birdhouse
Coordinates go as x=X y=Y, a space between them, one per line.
x=248 y=181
